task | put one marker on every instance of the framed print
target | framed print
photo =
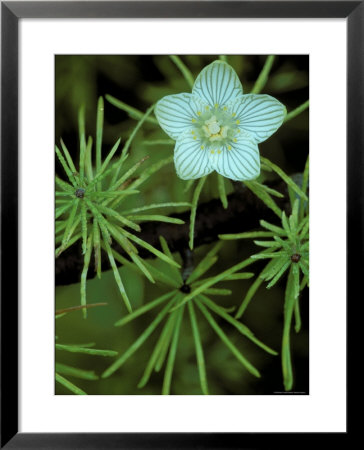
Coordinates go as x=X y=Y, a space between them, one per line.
x=186 y=267
x=196 y=167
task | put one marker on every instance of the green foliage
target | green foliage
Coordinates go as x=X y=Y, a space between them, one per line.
x=196 y=196
x=263 y=76
x=184 y=70
x=193 y=290
x=196 y=319
x=88 y=205
x=291 y=115
x=74 y=371
x=287 y=251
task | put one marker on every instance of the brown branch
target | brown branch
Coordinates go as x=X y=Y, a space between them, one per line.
x=244 y=212
x=77 y=308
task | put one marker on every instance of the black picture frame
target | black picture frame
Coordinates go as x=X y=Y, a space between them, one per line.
x=11 y=12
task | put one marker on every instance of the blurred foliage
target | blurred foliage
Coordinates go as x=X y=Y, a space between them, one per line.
x=139 y=81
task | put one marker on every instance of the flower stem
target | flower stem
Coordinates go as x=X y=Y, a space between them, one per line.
x=130 y=110
x=184 y=69
x=222 y=190
x=297 y=111
x=263 y=76
x=196 y=196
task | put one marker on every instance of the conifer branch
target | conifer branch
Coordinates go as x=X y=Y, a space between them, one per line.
x=243 y=213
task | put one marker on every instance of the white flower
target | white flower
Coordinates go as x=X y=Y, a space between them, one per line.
x=217 y=127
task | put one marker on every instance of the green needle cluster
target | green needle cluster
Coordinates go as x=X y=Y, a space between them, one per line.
x=287 y=251
x=74 y=371
x=191 y=294
x=87 y=349
x=89 y=204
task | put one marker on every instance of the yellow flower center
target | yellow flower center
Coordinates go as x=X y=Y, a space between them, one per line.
x=215 y=127
x=213 y=130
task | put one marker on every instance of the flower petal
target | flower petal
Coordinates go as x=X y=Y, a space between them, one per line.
x=175 y=113
x=191 y=158
x=260 y=115
x=218 y=84
x=238 y=161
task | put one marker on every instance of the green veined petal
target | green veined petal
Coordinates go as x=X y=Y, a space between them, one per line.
x=238 y=160
x=191 y=158
x=176 y=113
x=259 y=115
x=217 y=84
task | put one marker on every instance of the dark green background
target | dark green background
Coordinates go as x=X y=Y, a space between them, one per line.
x=140 y=81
